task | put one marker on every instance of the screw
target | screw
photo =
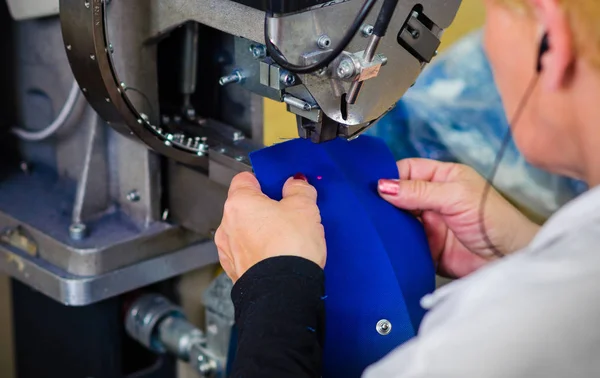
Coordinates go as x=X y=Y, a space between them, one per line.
x=69 y=47
x=239 y=158
x=237 y=136
x=111 y=48
x=235 y=77
x=383 y=327
x=133 y=196
x=165 y=215
x=383 y=58
x=324 y=42
x=367 y=30
x=258 y=51
x=86 y=3
x=415 y=33
x=287 y=78
x=77 y=231
x=345 y=69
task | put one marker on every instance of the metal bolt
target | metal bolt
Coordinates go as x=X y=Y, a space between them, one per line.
x=84 y=90
x=383 y=58
x=69 y=47
x=86 y=3
x=346 y=69
x=324 y=42
x=237 y=136
x=77 y=231
x=258 y=51
x=111 y=48
x=92 y=57
x=367 y=30
x=107 y=99
x=287 y=78
x=383 y=327
x=239 y=158
x=133 y=196
x=415 y=33
x=235 y=77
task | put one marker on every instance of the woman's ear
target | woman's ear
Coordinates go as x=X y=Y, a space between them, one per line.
x=558 y=60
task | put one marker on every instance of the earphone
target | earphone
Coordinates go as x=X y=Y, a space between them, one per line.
x=544 y=47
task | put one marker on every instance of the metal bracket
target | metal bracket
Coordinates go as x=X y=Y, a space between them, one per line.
x=418 y=38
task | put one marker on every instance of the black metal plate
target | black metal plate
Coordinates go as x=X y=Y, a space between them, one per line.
x=281 y=6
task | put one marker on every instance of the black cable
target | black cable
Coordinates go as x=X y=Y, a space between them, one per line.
x=278 y=57
x=499 y=157
x=384 y=18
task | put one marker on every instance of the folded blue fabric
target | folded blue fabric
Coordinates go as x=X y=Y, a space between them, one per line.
x=378 y=264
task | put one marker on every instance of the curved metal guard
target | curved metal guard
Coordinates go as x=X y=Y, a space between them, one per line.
x=84 y=28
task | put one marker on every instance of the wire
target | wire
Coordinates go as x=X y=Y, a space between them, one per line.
x=51 y=129
x=278 y=57
x=146 y=98
x=499 y=157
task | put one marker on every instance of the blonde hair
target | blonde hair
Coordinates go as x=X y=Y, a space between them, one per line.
x=584 y=17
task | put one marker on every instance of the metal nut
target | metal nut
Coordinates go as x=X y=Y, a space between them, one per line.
x=346 y=69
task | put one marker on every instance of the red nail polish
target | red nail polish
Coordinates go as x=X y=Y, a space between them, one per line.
x=300 y=176
x=389 y=187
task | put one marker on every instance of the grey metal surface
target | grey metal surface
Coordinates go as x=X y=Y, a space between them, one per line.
x=297 y=34
x=79 y=291
x=227 y=16
x=220 y=315
x=41 y=204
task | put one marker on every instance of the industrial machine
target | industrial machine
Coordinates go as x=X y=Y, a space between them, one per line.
x=159 y=103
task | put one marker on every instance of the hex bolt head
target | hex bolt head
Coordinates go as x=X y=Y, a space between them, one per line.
x=258 y=51
x=367 y=30
x=77 y=231
x=288 y=79
x=324 y=42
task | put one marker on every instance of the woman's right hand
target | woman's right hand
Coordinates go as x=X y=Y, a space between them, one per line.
x=449 y=196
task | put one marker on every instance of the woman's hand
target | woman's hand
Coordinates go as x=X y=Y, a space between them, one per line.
x=255 y=228
x=449 y=196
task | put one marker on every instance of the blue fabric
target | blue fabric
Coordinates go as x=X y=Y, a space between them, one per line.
x=379 y=264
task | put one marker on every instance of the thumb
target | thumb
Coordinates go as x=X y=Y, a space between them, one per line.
x=244 y=182
x=299 y=189
x=415 y=195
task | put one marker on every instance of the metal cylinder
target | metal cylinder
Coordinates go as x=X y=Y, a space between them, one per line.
x=189 y=61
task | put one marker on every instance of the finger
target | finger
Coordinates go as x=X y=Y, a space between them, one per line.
x=437 y=233
x=417 y=195
x=246 y=182
x=426 y=170
x=299 y=189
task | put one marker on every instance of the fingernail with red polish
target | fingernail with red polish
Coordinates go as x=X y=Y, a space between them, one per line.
x=389 y=187
x=300 y=176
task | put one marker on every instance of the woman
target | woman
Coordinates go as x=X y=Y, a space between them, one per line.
x=533 y=313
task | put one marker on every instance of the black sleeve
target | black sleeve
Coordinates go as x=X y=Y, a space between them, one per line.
x=280 y=316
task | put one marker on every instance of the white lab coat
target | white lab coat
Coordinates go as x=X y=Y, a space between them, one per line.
x=533 y=314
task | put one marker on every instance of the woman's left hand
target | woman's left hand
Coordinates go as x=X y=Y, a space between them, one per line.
x=255 y=228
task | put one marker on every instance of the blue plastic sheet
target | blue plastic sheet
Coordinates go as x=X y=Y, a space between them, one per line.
x=454 y=113
x=379 y=265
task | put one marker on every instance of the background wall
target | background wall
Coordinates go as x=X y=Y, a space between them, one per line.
x=278 y=125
